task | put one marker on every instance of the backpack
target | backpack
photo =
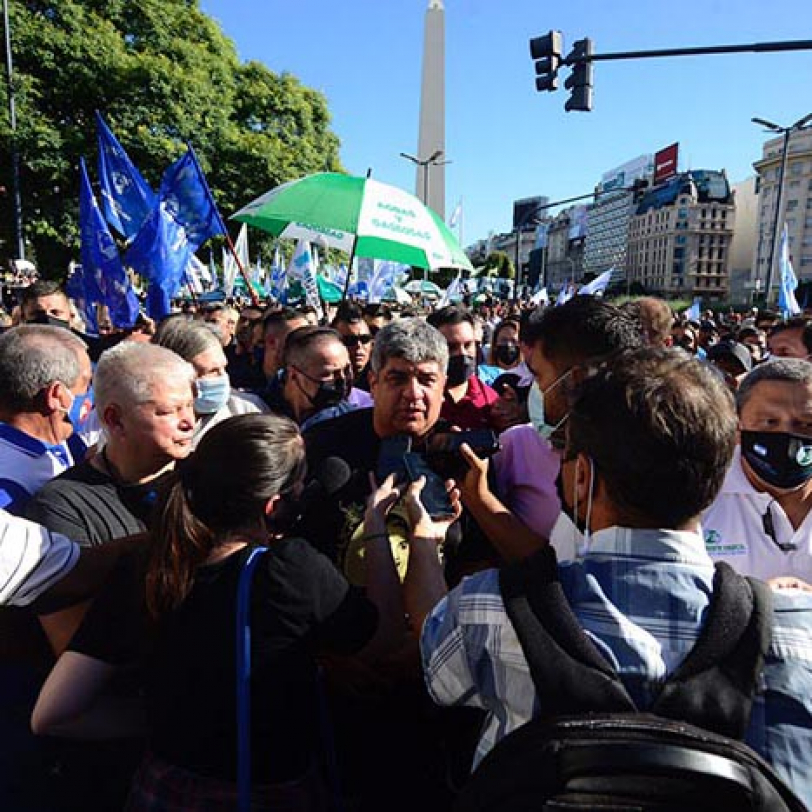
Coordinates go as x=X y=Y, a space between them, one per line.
x=590 y=749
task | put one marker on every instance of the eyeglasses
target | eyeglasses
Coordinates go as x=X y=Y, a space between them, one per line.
x=353 y=341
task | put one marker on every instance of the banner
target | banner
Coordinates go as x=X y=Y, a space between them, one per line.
x=103 y=276
x=788 y=282
x=665 y=163
x=126 y=197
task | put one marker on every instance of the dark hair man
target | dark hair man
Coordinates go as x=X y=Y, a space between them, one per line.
x=468 y=400
x=761 y=521
x=791 y=339
x=316 y=379
x=649 y=439
x=44 y=300
x=357 y=338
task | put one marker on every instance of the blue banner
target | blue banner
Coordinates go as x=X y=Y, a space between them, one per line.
x=75 y=288
x=103 y=276
x=126 y=197
x=184 y=218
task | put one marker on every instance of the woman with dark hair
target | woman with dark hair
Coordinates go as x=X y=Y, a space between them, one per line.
x=238 y=490
x=505 y=352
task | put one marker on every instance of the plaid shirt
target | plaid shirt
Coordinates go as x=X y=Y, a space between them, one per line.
x=641 y=596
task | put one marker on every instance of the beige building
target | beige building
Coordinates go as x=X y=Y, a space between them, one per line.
x=796 y=204
x=680 y=235
x=744 y=244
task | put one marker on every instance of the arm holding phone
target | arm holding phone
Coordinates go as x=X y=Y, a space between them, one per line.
x=512 y=538
x=425 y=585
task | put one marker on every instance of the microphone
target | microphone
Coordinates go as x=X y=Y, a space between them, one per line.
x=329 y=477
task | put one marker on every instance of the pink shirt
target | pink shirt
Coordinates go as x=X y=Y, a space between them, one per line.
x=526 y=469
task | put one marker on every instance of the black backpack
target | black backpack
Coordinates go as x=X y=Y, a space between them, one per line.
x=590 y=748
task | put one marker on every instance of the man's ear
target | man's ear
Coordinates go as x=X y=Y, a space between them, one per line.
x=372 y=377
x=111 y=419
x=54 y=397
x=584 y=474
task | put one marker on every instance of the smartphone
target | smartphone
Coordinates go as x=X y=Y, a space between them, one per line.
x=434 y=496
x=390 y=458
x=483 y=442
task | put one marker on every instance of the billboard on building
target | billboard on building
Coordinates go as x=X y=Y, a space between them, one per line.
x=665 y=163
x=641 y=168
x=578 y=222
x=528 y=211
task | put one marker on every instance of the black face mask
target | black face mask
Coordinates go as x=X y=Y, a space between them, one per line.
x=329 y=394
x=781 y=459
x=460 y=369
x=507 y=354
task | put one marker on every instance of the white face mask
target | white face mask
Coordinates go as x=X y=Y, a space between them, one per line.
x=535 y=407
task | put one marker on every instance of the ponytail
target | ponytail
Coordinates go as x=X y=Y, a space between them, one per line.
x=181 y=543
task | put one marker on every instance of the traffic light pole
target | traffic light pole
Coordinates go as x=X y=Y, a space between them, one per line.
x=755 y=47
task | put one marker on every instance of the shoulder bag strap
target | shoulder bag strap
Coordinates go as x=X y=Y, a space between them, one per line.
x=243 y=639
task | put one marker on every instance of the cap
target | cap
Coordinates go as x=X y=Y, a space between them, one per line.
x=731 y=349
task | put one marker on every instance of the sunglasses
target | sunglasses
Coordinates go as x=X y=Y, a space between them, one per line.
x=352 y=341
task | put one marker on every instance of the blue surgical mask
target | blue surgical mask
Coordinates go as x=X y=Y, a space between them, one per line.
x=212 y=394
x=79 y=409
x=535 y=407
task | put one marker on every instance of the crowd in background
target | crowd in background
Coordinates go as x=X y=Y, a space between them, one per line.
x=139 y=468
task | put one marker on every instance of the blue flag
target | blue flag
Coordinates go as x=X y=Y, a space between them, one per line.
x=103 y=276
x=76 y=290
x=182 y=220
x=126 y=197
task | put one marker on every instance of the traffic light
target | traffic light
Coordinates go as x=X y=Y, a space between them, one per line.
x=580 y=80
x=546 y=51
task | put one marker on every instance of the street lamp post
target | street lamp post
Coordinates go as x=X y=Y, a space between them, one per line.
x=801 y=124
x=15 y=156
x=424 y=164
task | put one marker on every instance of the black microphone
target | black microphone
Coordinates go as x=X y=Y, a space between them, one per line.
x=329 y=477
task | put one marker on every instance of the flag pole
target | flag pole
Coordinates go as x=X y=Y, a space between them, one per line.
x=248 y=285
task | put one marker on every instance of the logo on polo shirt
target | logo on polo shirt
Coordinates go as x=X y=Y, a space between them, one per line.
x=716 y=545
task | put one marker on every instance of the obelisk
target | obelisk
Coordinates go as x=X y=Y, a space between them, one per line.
x=431 y=142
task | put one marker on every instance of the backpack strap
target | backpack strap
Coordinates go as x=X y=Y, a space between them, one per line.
x=243 y=673
x=569 y=673
x=714 y=686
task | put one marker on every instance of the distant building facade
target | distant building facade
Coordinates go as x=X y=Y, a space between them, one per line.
x=796 y=204
x=680 y=236
x=744 y=245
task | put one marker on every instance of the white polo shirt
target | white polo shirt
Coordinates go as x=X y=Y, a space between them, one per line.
x=31 y=559
x=733 y=528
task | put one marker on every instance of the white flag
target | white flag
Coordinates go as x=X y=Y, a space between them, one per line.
x=301 y=267
x=541 y=297
x=455 y=215
x=598 y=284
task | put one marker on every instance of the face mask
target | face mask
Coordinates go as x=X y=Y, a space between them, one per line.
x=460 y=369
x=507 y=354
x=781 y=459
x=581 y=525
x=79 y=409
x=329 y=393
x=535 y=407
x=212 y=394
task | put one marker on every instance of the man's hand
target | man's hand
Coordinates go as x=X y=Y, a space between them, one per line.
x=421 y=524
x=789 y=582
x=474 y=485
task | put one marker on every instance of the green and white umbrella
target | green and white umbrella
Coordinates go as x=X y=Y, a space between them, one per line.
x=360 y=216
x=425 y=287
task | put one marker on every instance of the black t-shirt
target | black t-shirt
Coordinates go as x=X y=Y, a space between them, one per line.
x=352 y=438
x=300 y=606
x=91 y=508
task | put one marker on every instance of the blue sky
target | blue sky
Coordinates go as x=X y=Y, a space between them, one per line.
x=505 y=140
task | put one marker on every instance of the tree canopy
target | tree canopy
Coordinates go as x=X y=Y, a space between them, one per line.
x=161 y=72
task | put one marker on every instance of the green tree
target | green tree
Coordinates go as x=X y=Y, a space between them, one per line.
x=162 y=73
x=499 y=264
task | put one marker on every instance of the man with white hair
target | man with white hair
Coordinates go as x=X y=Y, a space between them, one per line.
x=145 y=401
x=44 y=378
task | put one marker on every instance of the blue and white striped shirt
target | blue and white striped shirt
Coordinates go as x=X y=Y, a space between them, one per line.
x=641 y=596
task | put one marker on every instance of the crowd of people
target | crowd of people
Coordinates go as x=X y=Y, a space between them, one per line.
x=388 y=465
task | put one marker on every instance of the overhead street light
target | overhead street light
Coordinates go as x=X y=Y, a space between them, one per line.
x=425 y=163
x=800 y=124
